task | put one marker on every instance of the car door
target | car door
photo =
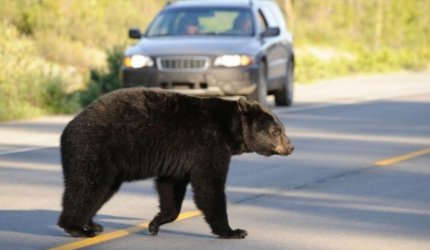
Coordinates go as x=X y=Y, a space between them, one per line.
x=276 y=53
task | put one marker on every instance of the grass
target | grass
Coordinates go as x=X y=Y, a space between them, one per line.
x=311 y=67
x=29 y=85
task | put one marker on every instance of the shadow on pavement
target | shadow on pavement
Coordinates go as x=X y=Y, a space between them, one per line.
x=167 y=232
x=44 y=222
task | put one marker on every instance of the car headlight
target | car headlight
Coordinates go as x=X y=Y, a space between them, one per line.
x=233 y=60
x=138 y=61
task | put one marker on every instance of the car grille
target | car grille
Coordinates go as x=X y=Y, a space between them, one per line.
x=182 y=63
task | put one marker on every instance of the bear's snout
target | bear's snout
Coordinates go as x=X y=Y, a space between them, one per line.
x=284 y=149
x=285 y=146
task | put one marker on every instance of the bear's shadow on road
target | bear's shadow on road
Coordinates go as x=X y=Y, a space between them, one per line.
x=44 y=222
x=166 y=232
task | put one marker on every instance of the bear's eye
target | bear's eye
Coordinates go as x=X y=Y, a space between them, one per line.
x=276 y=132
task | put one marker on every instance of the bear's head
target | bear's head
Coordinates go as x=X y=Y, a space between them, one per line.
x=263 y=132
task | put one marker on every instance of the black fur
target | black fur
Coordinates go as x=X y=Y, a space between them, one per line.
x=133 y=134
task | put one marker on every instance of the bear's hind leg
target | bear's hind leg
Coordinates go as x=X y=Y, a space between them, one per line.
x=93 y=225
x=80 y=204
x=75 y=214
x=171 y=193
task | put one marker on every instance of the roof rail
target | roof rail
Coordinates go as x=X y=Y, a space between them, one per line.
x=251 y=2
x=171 y=2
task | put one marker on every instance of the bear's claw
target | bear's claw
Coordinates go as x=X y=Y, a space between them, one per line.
x=81 y=232
x=153 y=228
x=95 y=226
x=236 y=234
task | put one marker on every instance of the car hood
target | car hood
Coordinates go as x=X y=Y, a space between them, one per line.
x=162 y=46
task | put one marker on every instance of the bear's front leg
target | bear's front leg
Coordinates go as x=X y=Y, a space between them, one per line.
x=171 y=193
x=210 y=197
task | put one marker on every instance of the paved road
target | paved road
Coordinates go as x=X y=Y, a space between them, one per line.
x=328 y=195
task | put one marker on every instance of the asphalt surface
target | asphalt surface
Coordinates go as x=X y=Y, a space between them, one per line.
x=328 y=195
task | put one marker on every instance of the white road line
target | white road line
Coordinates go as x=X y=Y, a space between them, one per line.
x=346 y=102
x=22 y=150
x=315 y=106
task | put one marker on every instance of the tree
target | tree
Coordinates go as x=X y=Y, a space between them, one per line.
x=288 y=7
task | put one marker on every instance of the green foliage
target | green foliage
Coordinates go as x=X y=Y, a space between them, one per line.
x=311 y=68
x=48 y=49
x=77 y=33
x=104 y=80
x=371 y=23
x=379 y=35
x=29 y=85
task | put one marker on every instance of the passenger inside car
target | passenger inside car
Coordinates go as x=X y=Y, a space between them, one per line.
x=242 y=24
x=188 y=26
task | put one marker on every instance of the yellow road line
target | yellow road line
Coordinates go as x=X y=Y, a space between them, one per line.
x=118 y=234
x=404 y=157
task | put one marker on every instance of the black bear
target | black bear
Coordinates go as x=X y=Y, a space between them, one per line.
x=137 y=133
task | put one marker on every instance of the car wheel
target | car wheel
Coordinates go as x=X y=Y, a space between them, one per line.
x=284 y=96
x=260 y=93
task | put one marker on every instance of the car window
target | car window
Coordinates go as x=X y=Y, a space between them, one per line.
x=262 y=21
x=203 y=21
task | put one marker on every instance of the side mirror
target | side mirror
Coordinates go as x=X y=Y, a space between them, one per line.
x=271 y=32
x=134 y=33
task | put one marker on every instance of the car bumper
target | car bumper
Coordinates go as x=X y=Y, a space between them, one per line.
x=208 y=82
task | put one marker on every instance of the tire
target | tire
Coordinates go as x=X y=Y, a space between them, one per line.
x=284 y=96
x=260 y=93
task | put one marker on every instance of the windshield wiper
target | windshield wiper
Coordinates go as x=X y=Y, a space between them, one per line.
x=209 y=33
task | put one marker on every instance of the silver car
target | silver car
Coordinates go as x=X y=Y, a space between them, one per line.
x=215 y=48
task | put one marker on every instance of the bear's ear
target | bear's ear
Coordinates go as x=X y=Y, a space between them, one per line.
x=242 y=104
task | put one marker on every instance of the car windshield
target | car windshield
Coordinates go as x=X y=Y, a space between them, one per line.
x=202 y=21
